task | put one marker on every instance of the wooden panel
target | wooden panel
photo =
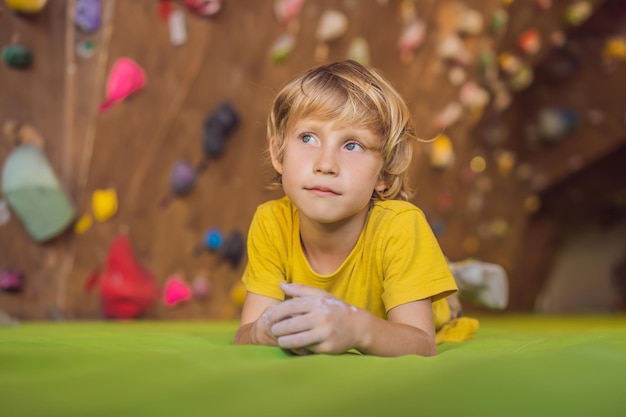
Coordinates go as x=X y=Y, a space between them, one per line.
x=133 y=145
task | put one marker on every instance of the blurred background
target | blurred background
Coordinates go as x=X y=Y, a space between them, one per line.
x=146 y=119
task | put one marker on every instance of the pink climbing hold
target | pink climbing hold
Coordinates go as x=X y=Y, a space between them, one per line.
x=126 y=77
x=176 y=291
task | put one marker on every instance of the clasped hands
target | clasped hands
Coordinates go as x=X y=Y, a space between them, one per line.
x=313 y=321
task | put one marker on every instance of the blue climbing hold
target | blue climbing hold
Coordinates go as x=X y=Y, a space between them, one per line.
x=213 y=240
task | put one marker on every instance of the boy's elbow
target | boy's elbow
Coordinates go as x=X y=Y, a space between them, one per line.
x=237 y=338
x=243 y=335
x=431 y=350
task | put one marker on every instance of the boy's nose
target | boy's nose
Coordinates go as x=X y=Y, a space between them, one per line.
x=326 y=162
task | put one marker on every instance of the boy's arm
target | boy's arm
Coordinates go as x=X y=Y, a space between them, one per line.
x=254 y=328
x=409 y=329
x=320 y=322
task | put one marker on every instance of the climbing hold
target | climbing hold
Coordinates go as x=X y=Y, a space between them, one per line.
x=217 y=129
x=498 y=22
x=127 y=287
x=286 y=11
x=234 y=248
x=478 y=164
x=522 y=78
x=282 y=47
x=577 y=12
x=505 y=161
x=470 y=22
x=532 y=203
x=445 y=202
x=85 y=49
x=26 y=6
x=164 y=9
x=125 y=78
x=17 y=56
x=332 y=25
x=438 y=227
x=614 y=49
x=29 y=135
x=238 y=294
x=529 y=42
x=359 y=51
x=204 y=7
x=213 y=240
x=230 y=249
x=457 y=75
x=11 y=280
x=88 y=15
x=104 y=204
x=471 y=244
x=5 y=214
x=473 y=96
x=543 y=4
x=201 y=287
x=83 y=224
x=176 y=291
x=183 y=178
x=554 y=123
x=412 y=36
x=452 y=49
x=449 y=115
x=177 y=27
x=19 y=134
x=499 y=227
x=509 y=63
x=34 y=193
x=442 y=153
x=475 y=202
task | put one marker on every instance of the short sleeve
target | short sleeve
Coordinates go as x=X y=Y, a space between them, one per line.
x=414 y=265
x=266 y=255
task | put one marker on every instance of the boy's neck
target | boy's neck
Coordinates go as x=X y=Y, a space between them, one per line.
x=326 y=246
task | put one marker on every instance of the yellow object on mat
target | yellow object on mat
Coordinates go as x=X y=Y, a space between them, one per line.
x=457 y=330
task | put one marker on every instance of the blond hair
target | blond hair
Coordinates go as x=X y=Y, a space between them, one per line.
x=349 y=93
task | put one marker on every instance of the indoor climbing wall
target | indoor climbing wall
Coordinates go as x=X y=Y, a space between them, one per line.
x=150 y=116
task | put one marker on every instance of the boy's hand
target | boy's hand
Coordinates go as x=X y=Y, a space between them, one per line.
x=261 y=329
x=315 y=321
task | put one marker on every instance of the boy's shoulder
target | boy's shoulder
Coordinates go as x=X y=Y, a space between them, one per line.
x=395 y=207
x=280 y=208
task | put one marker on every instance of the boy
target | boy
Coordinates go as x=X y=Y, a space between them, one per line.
x=343 y=261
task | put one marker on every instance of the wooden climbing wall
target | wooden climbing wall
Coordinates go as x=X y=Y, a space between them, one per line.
x=133 y=146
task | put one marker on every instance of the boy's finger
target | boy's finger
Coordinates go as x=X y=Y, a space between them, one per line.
x=299 y=340
x=292 y=325
x=287 y=309
x=301 y=290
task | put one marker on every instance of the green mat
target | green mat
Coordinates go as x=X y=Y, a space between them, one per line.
x=515 y=366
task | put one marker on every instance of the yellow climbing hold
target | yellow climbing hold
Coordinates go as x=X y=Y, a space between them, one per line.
x=457 y=330
x=442 y=155
x=238 y=294
x=614 y=49
x=104 y=204
x=83 y=224
x=26 y=6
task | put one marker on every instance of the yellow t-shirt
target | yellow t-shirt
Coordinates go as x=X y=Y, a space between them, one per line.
x=395 y=261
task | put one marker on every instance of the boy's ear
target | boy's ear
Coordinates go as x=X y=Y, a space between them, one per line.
x=276 y=162
x=381 y=186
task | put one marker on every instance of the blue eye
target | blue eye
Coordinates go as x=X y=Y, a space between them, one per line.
x=353 y=146
x=306 y=138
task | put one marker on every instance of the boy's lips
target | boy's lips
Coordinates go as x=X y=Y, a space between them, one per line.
x=323 y=191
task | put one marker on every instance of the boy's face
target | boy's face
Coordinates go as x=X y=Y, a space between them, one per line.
x=329 y=171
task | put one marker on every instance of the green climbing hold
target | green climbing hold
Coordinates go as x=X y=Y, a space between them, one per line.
x=17 y=56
